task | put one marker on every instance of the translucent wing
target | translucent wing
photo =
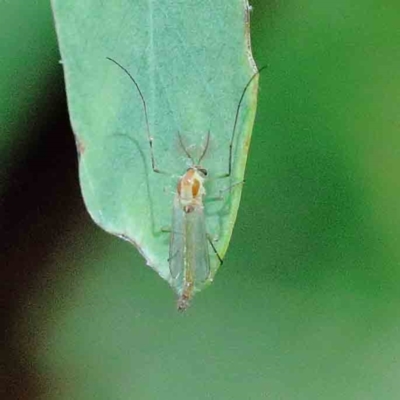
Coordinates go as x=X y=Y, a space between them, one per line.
x=197 y=248
x=177 y=240
x=189 y=258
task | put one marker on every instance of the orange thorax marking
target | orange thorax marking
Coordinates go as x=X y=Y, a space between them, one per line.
x=190 y=189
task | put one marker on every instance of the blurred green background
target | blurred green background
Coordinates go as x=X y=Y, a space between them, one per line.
x=307 y=303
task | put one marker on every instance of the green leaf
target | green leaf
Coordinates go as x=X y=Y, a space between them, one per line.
x=192 y=63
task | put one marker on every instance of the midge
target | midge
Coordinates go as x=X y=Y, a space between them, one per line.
x=189 y=257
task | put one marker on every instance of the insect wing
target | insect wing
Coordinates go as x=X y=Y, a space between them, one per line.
x=197 y=249
x=189 y=257
x=177 y=240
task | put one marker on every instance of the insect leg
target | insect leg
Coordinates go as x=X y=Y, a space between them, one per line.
x=149 y=137
x=221 y=261
x=230 y=158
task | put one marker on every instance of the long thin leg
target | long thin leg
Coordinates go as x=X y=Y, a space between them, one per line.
x=220 y=197
x=149 y=137
x=230 y=158
x=221 y=261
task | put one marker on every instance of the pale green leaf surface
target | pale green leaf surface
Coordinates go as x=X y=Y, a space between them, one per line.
x=192 y=61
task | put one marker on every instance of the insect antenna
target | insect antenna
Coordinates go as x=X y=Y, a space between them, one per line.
x=189 y=156
x=205 y=148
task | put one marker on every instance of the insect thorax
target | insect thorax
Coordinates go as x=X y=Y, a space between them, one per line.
x=190 y=189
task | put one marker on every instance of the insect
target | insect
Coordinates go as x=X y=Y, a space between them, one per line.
x=189 y=256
